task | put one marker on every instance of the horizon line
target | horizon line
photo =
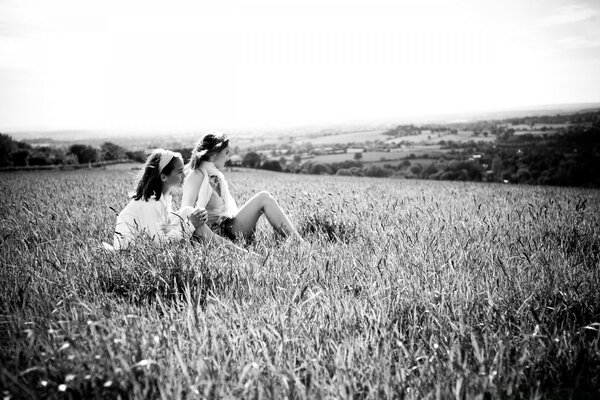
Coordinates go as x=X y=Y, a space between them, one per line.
x=417 y=119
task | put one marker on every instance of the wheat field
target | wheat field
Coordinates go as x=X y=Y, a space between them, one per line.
x=405 y=289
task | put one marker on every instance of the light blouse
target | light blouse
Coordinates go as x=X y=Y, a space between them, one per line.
x=203 y=191
x=154 y=218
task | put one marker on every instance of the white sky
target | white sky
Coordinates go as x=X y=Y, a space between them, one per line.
x=229 y=64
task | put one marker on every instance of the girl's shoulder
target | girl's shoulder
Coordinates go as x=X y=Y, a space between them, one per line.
x=145 y=203
x=196 y=174
x=134 y=206
x=153 y=201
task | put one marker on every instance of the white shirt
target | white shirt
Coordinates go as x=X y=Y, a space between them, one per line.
x=154 y=218
x=199 y=191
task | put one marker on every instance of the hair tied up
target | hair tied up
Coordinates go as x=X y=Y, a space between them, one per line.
x=210 y=144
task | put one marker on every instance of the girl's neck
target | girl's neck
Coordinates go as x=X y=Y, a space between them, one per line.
x=209 y=165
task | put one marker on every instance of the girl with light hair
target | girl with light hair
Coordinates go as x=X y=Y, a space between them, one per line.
x=150 y=211
x=205 y=186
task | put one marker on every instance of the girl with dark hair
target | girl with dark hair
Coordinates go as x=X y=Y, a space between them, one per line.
x=206 y=187
x=150 y=211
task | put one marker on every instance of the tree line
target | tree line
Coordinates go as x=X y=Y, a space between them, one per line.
x=15 y=153
x=571 y=158
x=568 y=158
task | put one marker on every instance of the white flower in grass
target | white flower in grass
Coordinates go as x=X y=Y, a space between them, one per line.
x=144 y=363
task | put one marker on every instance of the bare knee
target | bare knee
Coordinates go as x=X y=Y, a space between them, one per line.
x=265 y=197
x=265 y=200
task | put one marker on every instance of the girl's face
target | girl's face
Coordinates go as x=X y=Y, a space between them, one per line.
x=220 y=158
x=175 y=178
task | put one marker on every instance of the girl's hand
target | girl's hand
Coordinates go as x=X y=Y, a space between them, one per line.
x=198 y=217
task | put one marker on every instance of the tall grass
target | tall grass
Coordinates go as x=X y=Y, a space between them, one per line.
x=406 y=289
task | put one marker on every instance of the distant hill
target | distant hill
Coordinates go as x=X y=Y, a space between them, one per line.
x=176 y=139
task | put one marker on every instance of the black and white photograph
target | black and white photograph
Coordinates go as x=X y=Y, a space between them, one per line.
x=300 y=199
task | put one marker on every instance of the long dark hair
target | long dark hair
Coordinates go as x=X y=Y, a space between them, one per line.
x=150 y=183
x=209 y=145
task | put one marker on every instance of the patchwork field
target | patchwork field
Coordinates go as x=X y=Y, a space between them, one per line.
x=434 y=138
x=405 y=289
x=351 y=137
x=391 y=157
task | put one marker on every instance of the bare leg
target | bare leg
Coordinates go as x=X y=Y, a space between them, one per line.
x=205 y=235
x=262 y=203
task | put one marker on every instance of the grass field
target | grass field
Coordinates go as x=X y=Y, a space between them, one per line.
x=347 y=137
x=434 y=138
x=407 y=289
x=391 y=157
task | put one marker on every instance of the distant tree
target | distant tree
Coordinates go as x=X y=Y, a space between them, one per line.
x=357 y=156
x=497 y=166
x=111 y=151
x=38 y=157
x=251 y=160
x=320 y=169
x=416 y=169
x=297 y=158
x=271 y=165
x=20 y=157
x=356 y=171
x=293 y=167
x=344 y=172
x=45 y=155
x=448 y=175
x=84 y=153
x=7 y=147
x=523 y=175
x=70 y=159
x=138 y=156
x=376 y=171
x=346 y=164
x=429 y=170
x=510 y=132
x=282 y=161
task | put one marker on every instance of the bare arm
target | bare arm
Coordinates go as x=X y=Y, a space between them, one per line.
x=191 y=187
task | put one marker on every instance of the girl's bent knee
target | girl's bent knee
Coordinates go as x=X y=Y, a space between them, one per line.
x=265 y=197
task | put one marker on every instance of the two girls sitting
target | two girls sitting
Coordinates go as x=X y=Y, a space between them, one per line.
x=208 y=210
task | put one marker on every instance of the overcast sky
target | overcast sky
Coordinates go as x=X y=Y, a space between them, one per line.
x=193 y=65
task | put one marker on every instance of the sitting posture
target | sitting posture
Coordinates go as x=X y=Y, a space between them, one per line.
x=150 y=212
x=206 y=187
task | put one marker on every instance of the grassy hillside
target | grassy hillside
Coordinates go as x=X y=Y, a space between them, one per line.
x=407 y=289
